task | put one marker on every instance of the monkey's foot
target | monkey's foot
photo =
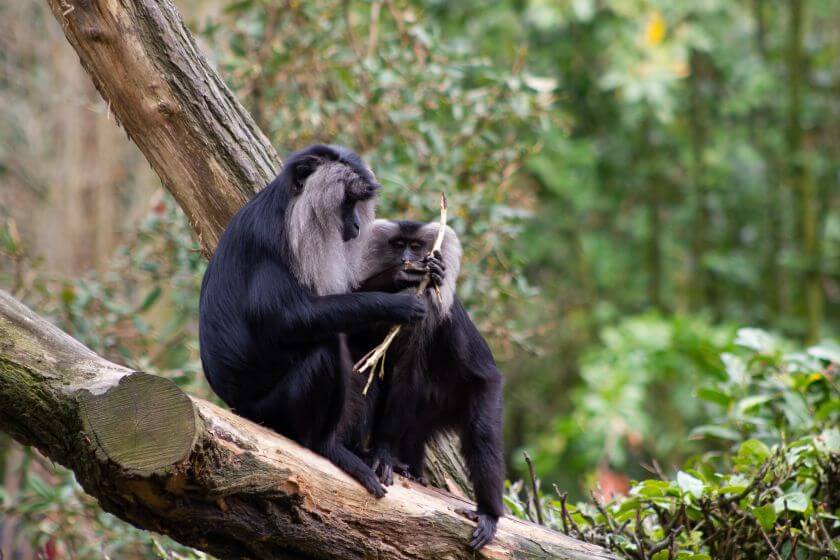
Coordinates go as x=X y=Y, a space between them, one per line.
x=383 y=466
x=411 y=474
x=484 y=531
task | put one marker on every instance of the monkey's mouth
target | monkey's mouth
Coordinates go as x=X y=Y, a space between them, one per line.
x=411 y=266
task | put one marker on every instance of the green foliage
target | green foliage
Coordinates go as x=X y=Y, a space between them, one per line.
x=769 y=484
x=428 y=114
x=636 y=399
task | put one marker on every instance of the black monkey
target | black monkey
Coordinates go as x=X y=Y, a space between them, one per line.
x=275 y=301
x=440 y=373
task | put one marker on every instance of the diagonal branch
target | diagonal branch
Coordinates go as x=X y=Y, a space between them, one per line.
x=200 y=141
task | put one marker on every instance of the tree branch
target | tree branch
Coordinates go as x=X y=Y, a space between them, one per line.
x=167 y=462
x=200 y=141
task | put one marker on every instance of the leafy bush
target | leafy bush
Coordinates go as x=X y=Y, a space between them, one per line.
x=634 y=401
x=769 y=488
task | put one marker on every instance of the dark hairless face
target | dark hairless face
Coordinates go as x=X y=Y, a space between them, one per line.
x=350 y=220
x=407 y=248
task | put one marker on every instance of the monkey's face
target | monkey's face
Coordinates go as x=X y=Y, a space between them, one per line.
x=408 y=249
x=356 y=208
x=335 y=196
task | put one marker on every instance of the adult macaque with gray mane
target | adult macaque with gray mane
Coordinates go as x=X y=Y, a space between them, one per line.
x=275 y=302
x=439 y=372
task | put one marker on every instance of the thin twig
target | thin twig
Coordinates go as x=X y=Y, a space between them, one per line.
x=562 y=497
x=536 y=490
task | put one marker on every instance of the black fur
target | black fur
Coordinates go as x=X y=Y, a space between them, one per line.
x=440 y=375
x=271 y=348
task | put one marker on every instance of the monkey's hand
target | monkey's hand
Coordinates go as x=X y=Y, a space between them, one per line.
x=437 y=270
x=409 y=308
x=383 y=465
x=484 y=531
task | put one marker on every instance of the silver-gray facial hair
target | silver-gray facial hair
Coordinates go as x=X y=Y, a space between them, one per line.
x=320 y=258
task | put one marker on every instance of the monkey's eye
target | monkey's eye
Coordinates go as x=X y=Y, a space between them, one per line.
x=398 y=244
x=416 y=246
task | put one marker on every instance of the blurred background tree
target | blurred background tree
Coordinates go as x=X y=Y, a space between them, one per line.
x=632 y=181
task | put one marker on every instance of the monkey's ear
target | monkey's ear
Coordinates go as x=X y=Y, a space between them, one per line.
x=301 y=171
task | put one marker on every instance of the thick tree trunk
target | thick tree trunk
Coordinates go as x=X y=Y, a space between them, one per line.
x=198 y=138
x=164 y=461
x=202 y=143
x=801 y=176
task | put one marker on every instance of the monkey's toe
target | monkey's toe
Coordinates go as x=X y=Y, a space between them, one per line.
x=372 y=485
x=472 y=515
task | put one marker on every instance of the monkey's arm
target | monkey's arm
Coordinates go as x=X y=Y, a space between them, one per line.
x=481 y=431
x=274 y=304
x=481 y=443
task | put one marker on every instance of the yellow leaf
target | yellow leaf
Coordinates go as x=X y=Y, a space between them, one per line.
x=655 y=29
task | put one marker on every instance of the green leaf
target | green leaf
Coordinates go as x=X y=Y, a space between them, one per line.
x=796 y=501
x=651 y=488
x=756 y=339
x=690 y=484
x=151 y=298
x=735 y=368
x=751 y=402
x=752 y=453
x=716 y=431
x=829 y=441
x=828 y=351
x=765 y=515
x=827 y=409
x=712 y=395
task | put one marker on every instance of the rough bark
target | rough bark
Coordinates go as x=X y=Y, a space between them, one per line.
x=201 y=142
x=170 y=463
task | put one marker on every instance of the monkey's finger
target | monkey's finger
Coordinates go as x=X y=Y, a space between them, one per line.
x=468 y=513
x=480 y=537
x=435 y=267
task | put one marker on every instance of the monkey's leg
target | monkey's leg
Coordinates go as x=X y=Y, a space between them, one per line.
x=396 y=416
x=413 y=452
x=297 y=410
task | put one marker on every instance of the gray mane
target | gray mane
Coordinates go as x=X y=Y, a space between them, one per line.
x=320 y=258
